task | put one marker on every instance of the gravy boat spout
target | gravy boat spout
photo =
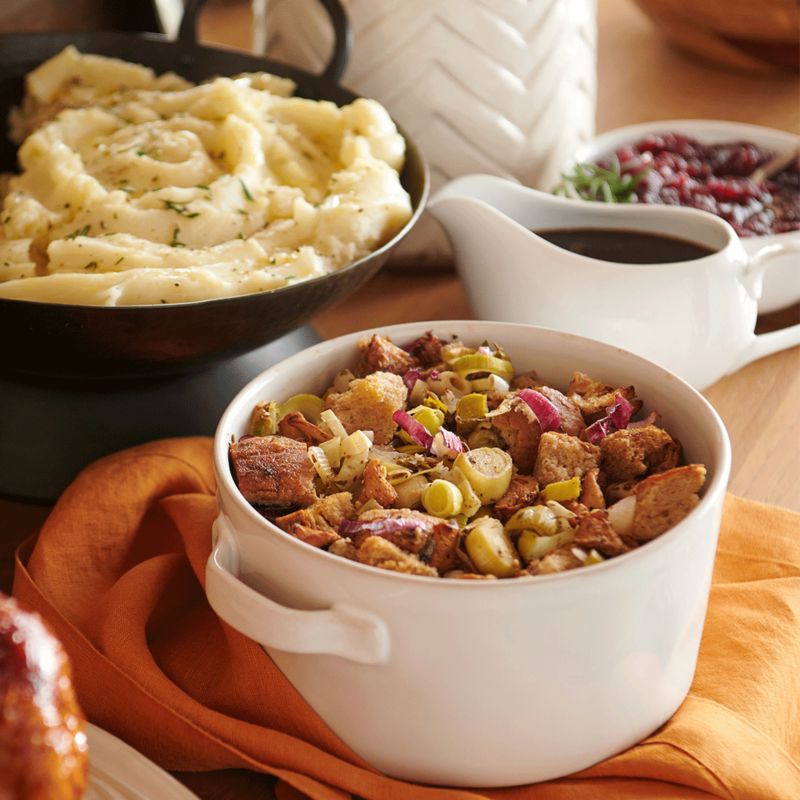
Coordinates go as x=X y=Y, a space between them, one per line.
x=696 y=317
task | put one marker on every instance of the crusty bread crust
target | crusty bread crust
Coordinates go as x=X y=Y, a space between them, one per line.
x=634 y=452
x=369 y=403
x=664 y=499
x=562 y=457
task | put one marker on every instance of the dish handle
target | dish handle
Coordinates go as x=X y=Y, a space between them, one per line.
x=341 y=630
x=342 y=35
x=766 y=344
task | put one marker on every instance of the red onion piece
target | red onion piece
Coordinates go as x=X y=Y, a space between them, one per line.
x=411 y=377
x=616 y=419
x=598 y=430
x=353 y=527
x=650 y=419
x=621 y=412
x=446 y=443
x=416 y=430
x=546 y=412
x=433 y=374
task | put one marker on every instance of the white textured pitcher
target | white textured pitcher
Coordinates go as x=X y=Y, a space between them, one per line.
x=505 y=87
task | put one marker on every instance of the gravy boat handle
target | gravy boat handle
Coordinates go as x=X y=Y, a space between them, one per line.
x=341 y=630
x=766 y=344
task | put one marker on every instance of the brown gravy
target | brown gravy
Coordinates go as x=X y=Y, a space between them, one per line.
x=625 y=246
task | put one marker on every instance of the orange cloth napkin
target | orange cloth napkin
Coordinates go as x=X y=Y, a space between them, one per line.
x=118 y=572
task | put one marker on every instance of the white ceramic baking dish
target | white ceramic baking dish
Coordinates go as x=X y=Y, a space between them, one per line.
x=473 y=683
x=782 y=280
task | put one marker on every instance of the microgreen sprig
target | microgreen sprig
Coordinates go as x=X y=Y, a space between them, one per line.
x=606 y=184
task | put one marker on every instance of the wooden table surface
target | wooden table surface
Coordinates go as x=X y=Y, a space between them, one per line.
x=640 y=78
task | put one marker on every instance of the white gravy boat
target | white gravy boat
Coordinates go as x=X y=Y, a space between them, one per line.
x=696 y=318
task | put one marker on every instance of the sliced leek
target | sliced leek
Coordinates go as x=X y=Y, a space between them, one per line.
x=620 y=515
x=470 y=502
x=355 y=454
x=442 y=499
x=333 y=423
x=490 y=549
x=472 y=363
x=264 y=420
x=488 y=469
x=432 y=401
x=409 y=493
x=562 y=490
x=532 y=546
x=539 y=519
x=491 y=383
x=333 y=451
x=309 y=405
x=471 y=407
x=321 y=464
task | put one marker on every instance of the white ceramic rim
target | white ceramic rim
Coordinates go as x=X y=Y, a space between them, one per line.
x=761 y=135
x=717 y=486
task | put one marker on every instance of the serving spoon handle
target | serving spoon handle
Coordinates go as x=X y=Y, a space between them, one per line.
x=775 y=164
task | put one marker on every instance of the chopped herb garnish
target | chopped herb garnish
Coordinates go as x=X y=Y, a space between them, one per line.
x=246 y=191
x=91 y=266
x=119 y=260
x=243 y=212
x=84 y=231
x=202 y=186
x=180 y=208
x=176 y=242
x=609 y=185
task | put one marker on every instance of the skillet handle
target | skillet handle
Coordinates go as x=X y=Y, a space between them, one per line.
x=342 y=35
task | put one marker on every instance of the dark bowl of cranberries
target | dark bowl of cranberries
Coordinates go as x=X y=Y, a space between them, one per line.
x=702 y=164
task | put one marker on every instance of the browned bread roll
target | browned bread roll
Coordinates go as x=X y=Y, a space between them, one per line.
x=43 y=750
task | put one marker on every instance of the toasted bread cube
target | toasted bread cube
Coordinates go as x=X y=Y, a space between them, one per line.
x=571 y=416
x=520 y=430
x=558 y=561
x=594 y=531
x=378 y=354
x=369 y=404
x=379 y=552
x=593 y=397
x=295 y=426
x=562 y=457
x=634 y=452
x=522 y=492
x=664 y=499
x=376 y=485
x=326 y=514
x=273 y=471
x=313 y=536
x=591 y=493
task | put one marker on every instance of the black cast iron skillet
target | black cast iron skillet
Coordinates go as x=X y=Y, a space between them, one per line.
x=76 y=344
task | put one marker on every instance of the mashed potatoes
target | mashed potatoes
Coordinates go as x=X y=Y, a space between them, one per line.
x=137 y=189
